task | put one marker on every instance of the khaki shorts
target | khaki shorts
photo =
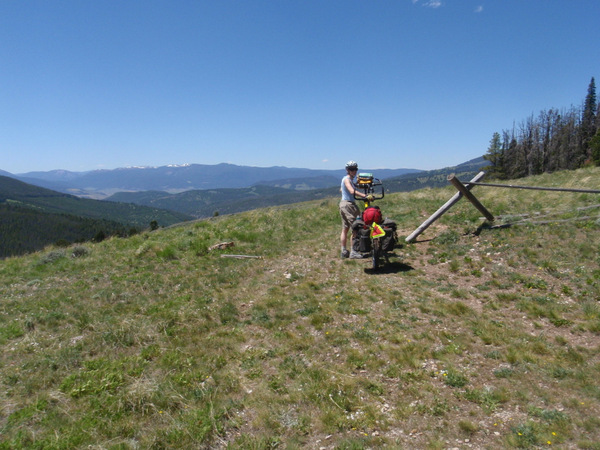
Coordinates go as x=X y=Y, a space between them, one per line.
x=349 y=212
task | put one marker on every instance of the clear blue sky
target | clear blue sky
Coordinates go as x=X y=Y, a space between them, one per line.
x=299 y=83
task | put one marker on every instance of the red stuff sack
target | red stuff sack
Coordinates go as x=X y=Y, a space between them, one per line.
x=372 y=214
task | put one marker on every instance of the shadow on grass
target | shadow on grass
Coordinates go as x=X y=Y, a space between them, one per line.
x=488 y=226
x=387 y=268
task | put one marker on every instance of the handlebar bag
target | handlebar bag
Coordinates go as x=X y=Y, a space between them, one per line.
x=365 y=179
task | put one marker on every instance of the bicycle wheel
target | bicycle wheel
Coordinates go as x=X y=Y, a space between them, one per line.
x=376 y=251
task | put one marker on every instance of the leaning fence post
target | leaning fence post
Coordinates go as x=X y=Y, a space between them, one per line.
x=462 y=189
x=436 y=215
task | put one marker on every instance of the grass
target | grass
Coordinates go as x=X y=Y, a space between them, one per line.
x=472 y=332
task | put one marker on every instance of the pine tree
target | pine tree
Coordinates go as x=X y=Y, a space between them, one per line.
x=595 y=148
x=495 y=155
x=588 y=119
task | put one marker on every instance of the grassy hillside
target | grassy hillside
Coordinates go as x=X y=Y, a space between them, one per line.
x=472 y=337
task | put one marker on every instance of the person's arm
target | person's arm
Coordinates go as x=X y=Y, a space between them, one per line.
x=351 y=189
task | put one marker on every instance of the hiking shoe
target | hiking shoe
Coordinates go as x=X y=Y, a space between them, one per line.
x=345 y=254
x=356 y=255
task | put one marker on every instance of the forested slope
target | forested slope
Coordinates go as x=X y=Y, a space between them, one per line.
x=32 y=217
x=25 y=230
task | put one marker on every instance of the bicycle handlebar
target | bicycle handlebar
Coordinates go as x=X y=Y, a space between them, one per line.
x=375 y=189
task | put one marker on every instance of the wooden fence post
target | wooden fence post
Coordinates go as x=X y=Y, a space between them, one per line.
x=436 y=215
x=462 y=189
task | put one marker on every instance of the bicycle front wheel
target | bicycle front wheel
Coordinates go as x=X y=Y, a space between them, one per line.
x=375 y=253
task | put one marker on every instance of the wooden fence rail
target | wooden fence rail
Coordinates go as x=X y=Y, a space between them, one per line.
x=537 y=188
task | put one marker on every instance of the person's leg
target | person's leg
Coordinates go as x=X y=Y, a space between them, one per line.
x=353 y=214
x=344 y=237
x=345 y=227
x=353 y=253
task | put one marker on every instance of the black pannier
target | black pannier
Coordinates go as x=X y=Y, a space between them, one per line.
x=362 y=237
x=388 y=242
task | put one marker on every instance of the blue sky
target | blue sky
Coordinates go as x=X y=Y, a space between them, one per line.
x=421 y=84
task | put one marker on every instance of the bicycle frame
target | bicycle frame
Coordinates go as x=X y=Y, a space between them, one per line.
x=372 y=187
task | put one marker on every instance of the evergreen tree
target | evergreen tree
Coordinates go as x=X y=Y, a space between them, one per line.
x=495 y=155
x=588 y=118
x=595 y=148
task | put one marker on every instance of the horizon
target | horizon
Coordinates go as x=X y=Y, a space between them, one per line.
x=399 y=83
x=227 y=163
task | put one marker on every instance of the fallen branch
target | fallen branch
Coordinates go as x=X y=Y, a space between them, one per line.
x=241 y=256
x=221 y=246
x=540 y=222
x=583 y=208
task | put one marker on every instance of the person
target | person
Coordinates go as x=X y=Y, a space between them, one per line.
x=348 y=208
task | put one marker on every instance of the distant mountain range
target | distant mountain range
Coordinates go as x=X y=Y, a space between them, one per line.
x=208 y=202
x=100 y=184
